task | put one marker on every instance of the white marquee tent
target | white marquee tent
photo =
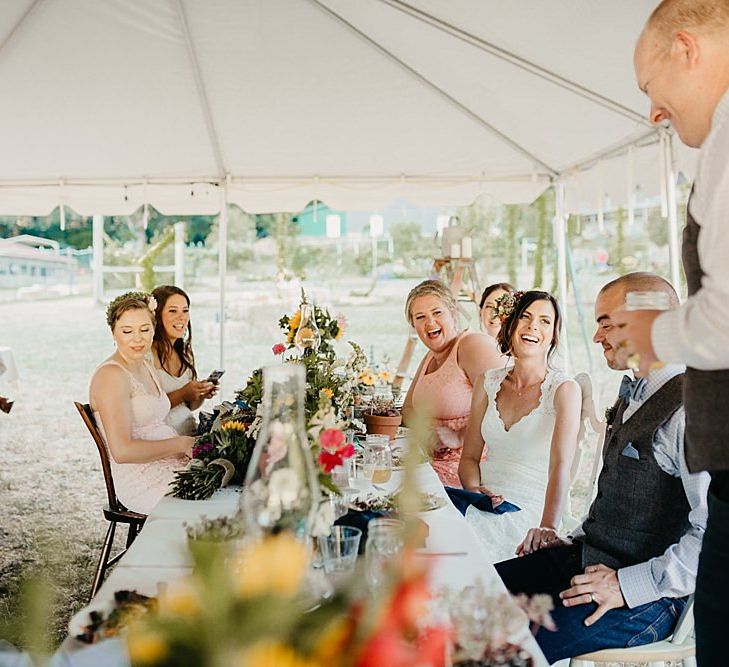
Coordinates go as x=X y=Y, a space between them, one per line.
x=269 y=104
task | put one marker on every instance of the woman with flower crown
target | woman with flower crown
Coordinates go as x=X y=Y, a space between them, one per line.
x=527 y=417
x=444 y=381
x=131 y=408
x=174 y=359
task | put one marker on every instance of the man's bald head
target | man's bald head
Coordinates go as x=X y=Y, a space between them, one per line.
x=694 y=15
x=642 y=281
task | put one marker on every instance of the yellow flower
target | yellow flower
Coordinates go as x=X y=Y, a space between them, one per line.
x=273 y=654
x=340 y=333
x=180 y=599
x=366 y=378
x=327 y=392
x=276 y=565
x=146 y=647
x=294 y=322
x=385 y=376
x=333 y=642
x=233 y=426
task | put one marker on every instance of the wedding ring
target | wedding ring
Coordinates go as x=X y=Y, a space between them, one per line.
x=592 y=598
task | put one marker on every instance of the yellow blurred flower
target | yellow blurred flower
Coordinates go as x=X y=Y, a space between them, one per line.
x=276 y=565
x=234 y=426
x=385 y=376
x=294 y=322
x=273 y=654
x=332 y=644
x=146 y=647
x=327 y=392
x=366 y=378
x=180 y=599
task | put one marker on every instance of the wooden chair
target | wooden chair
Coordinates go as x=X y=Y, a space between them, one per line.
x=680 y=647
x=114 y=512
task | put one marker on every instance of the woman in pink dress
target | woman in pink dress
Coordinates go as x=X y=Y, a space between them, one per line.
x=443 y=383
x=131 y=409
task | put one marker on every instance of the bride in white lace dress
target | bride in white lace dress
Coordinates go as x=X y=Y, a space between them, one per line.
x=528 y=418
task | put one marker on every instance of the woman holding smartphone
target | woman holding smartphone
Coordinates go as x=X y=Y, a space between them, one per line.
x=174 y=359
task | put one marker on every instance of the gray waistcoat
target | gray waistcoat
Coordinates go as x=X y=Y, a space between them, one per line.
x=639 y=510
x=706 y=393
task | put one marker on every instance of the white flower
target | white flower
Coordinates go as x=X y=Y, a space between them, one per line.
x=152 y=304
x=323 y=520
x=284 y=488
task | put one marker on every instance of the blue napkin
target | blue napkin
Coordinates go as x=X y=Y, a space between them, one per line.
x=463 y=499
x=357 y=519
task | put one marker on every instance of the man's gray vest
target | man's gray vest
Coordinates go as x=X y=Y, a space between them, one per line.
x=639 y=510
x=706 y=393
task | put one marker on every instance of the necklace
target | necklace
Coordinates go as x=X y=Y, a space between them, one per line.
x=525 y=389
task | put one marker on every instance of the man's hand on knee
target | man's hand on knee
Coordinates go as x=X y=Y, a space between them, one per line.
x=598 y=584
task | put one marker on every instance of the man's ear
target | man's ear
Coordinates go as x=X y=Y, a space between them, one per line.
x=686 y=48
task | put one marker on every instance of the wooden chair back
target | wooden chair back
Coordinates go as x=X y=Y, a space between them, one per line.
x=84 y=409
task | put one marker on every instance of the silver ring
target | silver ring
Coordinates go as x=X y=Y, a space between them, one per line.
x=592 y=598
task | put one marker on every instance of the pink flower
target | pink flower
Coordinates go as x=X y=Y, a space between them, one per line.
x=278 y=348
x=331 y=438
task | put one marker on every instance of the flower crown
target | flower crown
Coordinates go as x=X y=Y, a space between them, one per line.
x=140 y=296
x=506 y=304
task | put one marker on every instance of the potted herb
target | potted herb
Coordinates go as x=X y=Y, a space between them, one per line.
x=382 y=417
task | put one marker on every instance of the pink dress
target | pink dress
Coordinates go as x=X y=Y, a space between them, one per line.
x=446 y=393
x=139 y=486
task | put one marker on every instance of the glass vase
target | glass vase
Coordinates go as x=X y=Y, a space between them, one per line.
x=281 y=487
x=307 y=338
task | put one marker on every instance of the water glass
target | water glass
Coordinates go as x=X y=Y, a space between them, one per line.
x=361 y=472
x=379 y=456
x=384 y=544
x=340 y=503
x=339 y=549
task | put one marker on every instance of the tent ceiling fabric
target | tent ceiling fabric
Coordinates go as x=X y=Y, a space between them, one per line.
x=112 y=103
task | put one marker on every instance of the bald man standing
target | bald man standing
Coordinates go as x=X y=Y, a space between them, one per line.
x=682 y=65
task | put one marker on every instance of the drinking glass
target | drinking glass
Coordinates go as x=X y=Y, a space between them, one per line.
x=361 y=471
x=339 y=549
x=379 y=455
x=384 y=544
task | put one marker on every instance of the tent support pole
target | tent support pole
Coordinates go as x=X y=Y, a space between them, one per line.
x=560 y=238
x=222 y=269
x=97 y=240
x=670 y=177
x=180 y=254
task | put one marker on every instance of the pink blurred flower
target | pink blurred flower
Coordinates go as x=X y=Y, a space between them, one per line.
x=278 y=348
x=331 y=438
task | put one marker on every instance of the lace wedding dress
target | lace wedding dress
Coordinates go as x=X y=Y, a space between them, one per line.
x=139 y=486
x=516 y=466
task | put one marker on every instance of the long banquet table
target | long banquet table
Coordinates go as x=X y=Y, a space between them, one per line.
x=160 y=554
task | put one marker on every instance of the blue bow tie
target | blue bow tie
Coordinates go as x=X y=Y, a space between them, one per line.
x=632 y=389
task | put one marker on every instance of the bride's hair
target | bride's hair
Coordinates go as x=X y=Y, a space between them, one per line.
x=162 y=345
x=508 y=327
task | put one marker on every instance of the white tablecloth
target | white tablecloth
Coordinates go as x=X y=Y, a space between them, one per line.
x=159 y=554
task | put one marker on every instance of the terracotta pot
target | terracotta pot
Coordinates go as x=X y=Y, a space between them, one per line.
x=382 y=425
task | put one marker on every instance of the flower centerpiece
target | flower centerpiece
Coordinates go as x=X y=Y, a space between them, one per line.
x=223 y=452
x=485 y=625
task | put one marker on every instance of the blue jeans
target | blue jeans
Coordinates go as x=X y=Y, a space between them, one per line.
x=711 y=608
x=549 y=571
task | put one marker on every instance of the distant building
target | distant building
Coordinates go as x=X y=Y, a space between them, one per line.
x=31 y=260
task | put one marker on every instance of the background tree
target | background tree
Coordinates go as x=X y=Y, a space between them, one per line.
x=511 y=245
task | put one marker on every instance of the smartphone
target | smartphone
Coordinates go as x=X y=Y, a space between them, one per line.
x=214 y=377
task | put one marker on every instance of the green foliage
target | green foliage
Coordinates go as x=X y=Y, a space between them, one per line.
x=619 y=252
x=657 y=227
x=149 y=259
x=543 y=207
x=511 y=243
x=411 y=247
